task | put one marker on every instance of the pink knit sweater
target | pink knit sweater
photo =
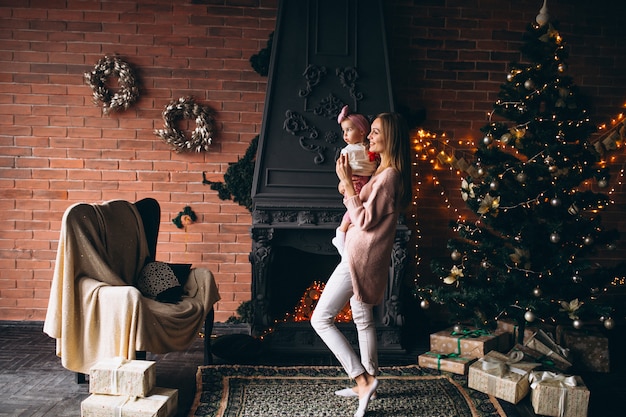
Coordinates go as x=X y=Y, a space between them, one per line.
x=369 y=240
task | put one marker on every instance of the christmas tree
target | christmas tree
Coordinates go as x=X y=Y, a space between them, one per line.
x=528 y=253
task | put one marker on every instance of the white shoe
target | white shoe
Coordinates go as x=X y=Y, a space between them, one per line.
x=349 y=392
x=363 y=402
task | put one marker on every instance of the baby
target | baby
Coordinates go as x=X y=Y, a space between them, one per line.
x=355 y=129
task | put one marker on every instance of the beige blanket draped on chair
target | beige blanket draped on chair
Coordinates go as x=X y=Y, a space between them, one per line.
x=95 y=312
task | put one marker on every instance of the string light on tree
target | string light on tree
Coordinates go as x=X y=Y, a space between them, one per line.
x=530 y=186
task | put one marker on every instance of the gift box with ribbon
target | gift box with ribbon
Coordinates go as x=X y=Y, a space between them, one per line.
x=449 y=362
x=544 y=344
x=162 y=402
x=589 y=348
x=511 y=327
x=470 y=342
x=531 y=355
x=500 y=375
x=558 y=395
x=119 y=376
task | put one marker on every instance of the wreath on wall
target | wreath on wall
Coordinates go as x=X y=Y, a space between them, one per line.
x=187 y=108
x=98 y=81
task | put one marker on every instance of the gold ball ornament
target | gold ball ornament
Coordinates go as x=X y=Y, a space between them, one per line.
x=609 y=323
x=424 y=304
x=455 y=255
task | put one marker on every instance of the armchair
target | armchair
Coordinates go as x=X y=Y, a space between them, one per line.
x=96 y=311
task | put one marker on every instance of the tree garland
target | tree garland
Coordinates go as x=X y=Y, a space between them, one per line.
x=127 y=81
x=187 y=108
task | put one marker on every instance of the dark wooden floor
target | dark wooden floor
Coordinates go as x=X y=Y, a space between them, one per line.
x=33 y=382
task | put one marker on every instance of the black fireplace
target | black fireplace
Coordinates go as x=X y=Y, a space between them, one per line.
x=325 y=54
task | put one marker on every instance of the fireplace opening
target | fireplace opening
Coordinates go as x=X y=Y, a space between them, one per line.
x=293 y=271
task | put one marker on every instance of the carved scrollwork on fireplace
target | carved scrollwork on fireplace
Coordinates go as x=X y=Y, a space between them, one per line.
x=260 y=258
x=297 y=217
x=393 y=315
x=313 y=75
x=297 y=125
x=347 y=77
x=329 y=107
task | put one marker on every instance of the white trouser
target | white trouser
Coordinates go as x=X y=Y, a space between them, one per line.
x=337 y=292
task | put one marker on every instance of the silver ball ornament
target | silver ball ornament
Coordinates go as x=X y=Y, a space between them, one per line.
x=487 y=140
x=555 y=237
x=555 y=202
x=458 y=328
x=588 y=240
x=529 y=84
x=577 y=324
x=529 y=316
x=480 y=171
x=537 y=292
x=521 y=177
x=609 y=323
x=424 y=304
x=485 y=264
x=493 y=185
x=455 y=255
x=602 y=183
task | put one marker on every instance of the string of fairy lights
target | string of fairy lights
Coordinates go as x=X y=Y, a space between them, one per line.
x=437 y=154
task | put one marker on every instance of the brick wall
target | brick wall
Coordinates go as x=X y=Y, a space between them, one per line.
x=56 y=147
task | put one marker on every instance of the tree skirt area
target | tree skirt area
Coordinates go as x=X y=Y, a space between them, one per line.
x=299 y=391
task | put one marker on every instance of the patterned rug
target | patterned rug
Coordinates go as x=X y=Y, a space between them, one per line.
x=308 y=391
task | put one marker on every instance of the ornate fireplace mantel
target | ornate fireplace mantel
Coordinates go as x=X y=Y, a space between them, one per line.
x=325 y=54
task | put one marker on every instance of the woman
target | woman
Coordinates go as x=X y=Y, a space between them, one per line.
x=362 y=274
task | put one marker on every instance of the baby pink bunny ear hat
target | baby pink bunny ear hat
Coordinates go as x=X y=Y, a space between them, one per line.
x=358 y=120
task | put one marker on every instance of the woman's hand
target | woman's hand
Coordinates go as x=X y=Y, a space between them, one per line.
x=344 y=173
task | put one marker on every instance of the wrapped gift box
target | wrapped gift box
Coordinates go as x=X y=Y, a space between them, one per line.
x=469 y=343
x=531 y=355
x=544 y=344
x=558 y=395
x=445 y=362
x=589 y=349
x=511 y=327
x=118 y=376
x=503 y=376
x=162 y=402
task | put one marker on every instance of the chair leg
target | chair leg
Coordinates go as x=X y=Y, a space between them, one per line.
x=208 y=330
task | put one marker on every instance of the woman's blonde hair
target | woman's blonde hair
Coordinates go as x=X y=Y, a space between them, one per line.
x=398 y=150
